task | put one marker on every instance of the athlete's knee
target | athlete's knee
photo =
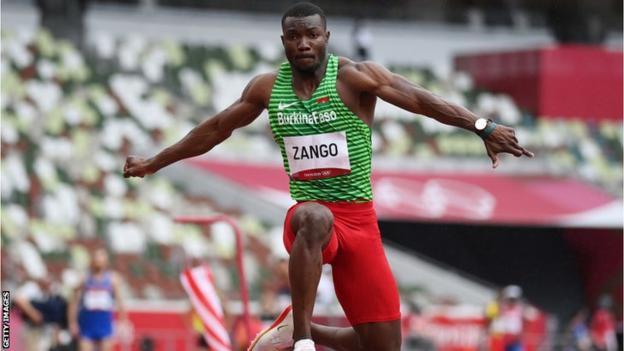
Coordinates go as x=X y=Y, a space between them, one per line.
x=312 y=223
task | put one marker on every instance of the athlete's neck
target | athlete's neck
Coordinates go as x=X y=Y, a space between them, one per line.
x=305 y=82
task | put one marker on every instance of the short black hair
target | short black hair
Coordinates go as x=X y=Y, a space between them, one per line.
x=304 y=9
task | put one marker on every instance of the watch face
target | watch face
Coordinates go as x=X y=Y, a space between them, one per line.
x=481 y=123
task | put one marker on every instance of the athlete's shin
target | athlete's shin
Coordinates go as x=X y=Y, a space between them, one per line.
x=304 y=273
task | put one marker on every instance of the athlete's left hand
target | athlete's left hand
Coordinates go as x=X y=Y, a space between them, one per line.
x=503 y=140
x=136 y=167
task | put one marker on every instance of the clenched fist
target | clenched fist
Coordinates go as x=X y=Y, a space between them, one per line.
x=136 y=167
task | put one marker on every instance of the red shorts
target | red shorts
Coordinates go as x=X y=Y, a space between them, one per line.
x=363 y=280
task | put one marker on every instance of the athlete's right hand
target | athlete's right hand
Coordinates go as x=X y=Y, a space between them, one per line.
x=136 y=167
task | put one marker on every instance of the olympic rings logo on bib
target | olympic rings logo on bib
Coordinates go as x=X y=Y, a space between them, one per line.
x=317 y=156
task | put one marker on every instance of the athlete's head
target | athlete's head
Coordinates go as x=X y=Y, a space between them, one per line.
x=99 y=261
x=305 y=36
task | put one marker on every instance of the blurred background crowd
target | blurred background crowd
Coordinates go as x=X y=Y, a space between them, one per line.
x=86 y=83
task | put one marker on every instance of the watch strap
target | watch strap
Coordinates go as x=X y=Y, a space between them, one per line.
x=489 y=128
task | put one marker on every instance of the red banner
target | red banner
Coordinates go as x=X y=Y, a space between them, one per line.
x=485 y=198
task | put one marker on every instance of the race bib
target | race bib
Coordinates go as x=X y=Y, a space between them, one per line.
x=317 y=156
x=98 y=300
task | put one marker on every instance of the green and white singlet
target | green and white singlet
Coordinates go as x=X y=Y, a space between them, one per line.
x=326 y=148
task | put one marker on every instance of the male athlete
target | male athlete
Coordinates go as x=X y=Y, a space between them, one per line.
x=90 y=310
x=320 y=111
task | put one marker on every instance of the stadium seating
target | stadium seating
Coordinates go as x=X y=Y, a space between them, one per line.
x=70 y=117
x=68 y=121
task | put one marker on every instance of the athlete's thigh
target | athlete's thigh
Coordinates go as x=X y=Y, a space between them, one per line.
x=106 y=344
x=363 y=280
x=86 y=345
x=379 y=336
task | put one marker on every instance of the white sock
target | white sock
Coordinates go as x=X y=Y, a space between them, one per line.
x=304 y=345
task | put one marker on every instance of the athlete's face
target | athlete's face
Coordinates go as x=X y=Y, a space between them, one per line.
x=305 y=42
x=100 y=260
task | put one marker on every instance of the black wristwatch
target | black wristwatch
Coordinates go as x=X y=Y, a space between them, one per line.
x=484 y=127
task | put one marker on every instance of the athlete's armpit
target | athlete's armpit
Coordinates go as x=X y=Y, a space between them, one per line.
x=254 y=99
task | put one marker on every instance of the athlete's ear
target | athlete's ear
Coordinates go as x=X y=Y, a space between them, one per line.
x=327 y=36
x=282 y=37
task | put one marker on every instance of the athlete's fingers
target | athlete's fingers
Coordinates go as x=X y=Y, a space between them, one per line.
x=514 y=150
x=133 y=173
x=516 y=144
x=132 y=168
x=522 y=151
x=495 y=161
x=127 y=172
x=494 y=157
x=128 y=162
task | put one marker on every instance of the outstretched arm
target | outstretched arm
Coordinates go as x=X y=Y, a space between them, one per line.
x=209 y=133
x=395 y=89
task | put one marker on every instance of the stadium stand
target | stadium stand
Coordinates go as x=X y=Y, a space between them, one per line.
x=66 y=124
x=68 y=118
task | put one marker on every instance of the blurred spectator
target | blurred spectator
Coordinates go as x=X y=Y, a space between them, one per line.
x=64 y=18
x=602 y=327
x=492 y=310
x=91 y=307
x=276 y=290
x=44 y=310
x=579 y=337
x=506 y=320
x=362 y=40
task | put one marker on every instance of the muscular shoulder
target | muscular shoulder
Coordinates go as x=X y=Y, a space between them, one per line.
x=363 y=76
x=259 y=88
